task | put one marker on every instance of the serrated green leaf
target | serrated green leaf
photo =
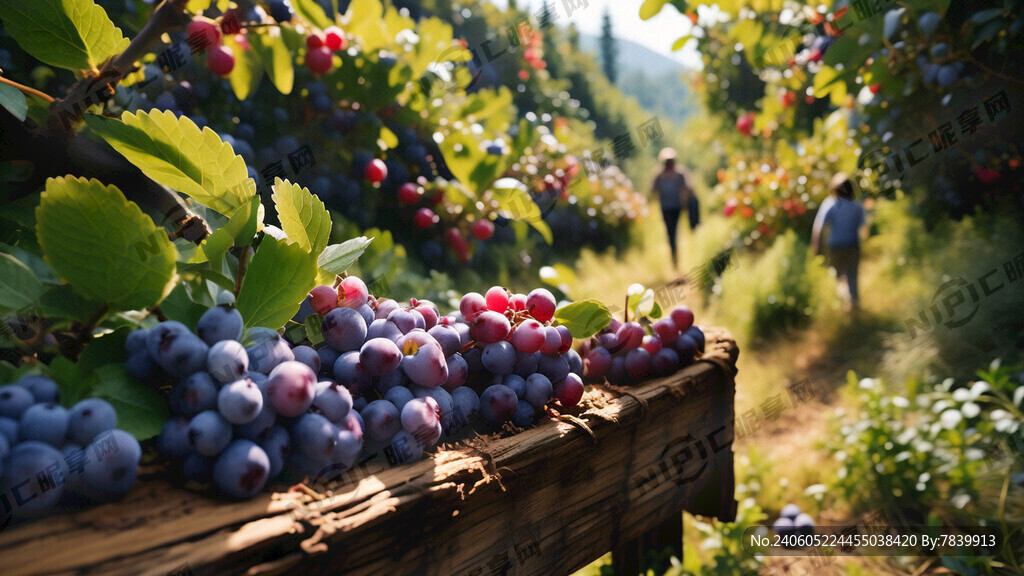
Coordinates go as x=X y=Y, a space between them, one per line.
x=584 y=318
x=337 y=258
x=303 y=216
x=103 y=245
x=279 y=277
x=14 y=101
x=275 y=58
x=19 y=287
x=246 y=222
x=141 y=410
x=245 y=77
x=173 y=151
x=314 y=329
x=72 y=34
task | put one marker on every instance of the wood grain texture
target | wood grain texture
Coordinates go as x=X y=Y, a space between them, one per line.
x=545 y=501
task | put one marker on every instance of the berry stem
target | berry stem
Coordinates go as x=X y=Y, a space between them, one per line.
x=26 y=89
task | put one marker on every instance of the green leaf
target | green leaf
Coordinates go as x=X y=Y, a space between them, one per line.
x=173 y=151
x=275 y=57
x=515 y=203
x=197 y=5
x=311 y=12
x=245 y=223
x=642 y=303
x=303 y=216
x=279 y=277
x=63 y=302
x=19 y=287
x=337 y=258
x=679 y=43
x=986 y=15
x=72 y=34
x=584 y=318
x=14 y=101
x=248 y=71
x=650 y=8
x=104 y=245
x=141 y=410
x=73 y=387
x=314 y=329
x=656 y=312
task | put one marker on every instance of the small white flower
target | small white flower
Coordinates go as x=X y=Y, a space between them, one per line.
x=974 y=454
x=1018 y=396
x=815 y=489
x=946 y=385
x=950 y=418
x=970 y=410
x=979 y=388
x=902 y=456
x=867 y=383
x=900 y=402
x=961 y=395
x=924 y=477
x=940 y=406
x=961 y=500
x=841 y=455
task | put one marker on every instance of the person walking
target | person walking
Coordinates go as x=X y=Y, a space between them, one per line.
x=675 y=192
x=845 y=221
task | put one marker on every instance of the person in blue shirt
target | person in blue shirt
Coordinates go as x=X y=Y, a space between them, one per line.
x=845 y=221
x=675 y=191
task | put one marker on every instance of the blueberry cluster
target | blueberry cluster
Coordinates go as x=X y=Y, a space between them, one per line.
x=792 y=521
x=47 y=451
x=624 y=353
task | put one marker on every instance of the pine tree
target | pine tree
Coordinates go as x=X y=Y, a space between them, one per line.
x=573 y=37
x=545 y=17
x=608 y=54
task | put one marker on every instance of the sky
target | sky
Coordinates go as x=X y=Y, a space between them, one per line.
x=658 y=33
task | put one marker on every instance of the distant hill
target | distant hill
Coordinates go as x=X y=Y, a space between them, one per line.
x=655 y=80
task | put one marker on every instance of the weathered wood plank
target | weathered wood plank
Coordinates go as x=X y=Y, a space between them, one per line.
x=545 y=501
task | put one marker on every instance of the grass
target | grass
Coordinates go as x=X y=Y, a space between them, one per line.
x=901 y=267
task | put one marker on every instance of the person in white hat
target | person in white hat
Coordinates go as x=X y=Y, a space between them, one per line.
x=845 y=219
x=674 y=190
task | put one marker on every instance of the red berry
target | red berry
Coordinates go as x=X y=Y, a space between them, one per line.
x=745 y=123
x=483 y=229
x=437 y=196
x=788 y=98
x=459 y=245
x=875 y=88
x=314 y=41
x=425 y=218
x=229 y=24
x=376 y=170
x=221 y=60
x=203 y=34
x=334 y=38
x=323 y=299
x=319 y=60
x=409 y=193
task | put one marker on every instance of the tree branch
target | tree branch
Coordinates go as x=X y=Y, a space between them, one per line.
x=64 y=112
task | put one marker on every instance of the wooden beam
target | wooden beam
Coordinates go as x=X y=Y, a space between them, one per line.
x=545 y=501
